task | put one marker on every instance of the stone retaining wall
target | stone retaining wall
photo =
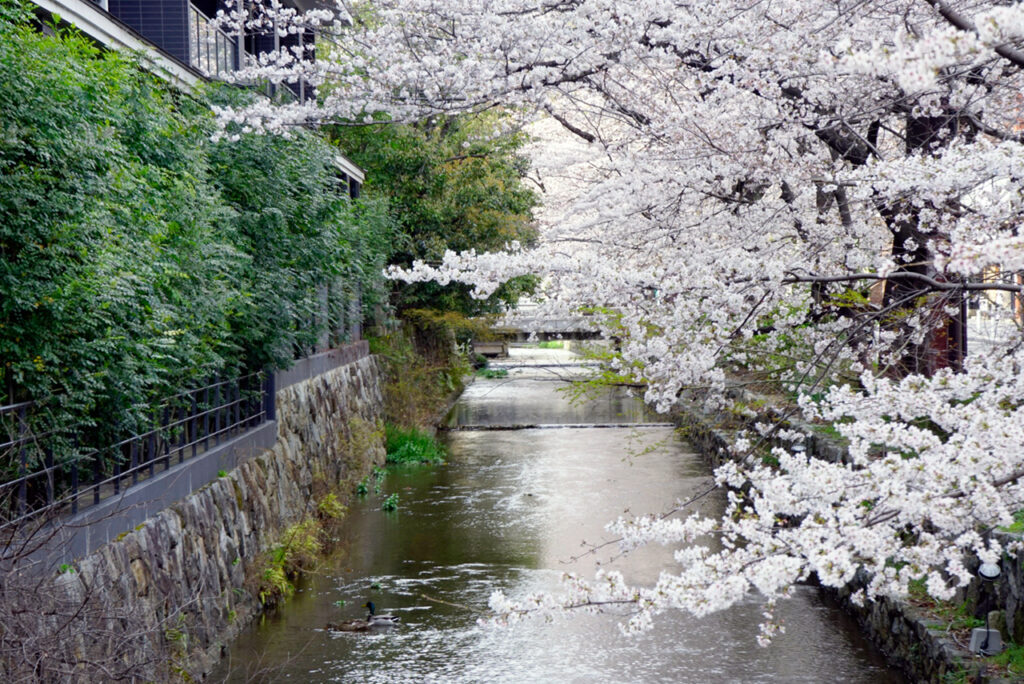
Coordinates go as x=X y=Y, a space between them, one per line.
x=162 y=599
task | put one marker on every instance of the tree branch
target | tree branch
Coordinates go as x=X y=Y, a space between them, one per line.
x=964 y=24
x=934 y=284
x=465 y=156
x=589 y=137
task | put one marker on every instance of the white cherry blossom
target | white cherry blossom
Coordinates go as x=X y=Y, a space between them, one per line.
x=727 y=181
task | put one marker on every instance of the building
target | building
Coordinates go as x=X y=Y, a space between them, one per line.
x=177 y=41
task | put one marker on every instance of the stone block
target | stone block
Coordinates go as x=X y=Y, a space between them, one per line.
x=986 y=641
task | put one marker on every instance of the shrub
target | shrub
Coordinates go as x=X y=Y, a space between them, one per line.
x=330 y=508
x=137 y=257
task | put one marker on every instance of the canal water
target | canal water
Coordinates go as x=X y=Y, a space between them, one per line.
x=510 y=511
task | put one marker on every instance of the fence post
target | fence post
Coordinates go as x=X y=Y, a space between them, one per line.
x=357 y=314
x=74 y=476
x=133 y=448
x=151 y=450
x=51 y=487
x=194 y=422
x=22 y=460
x=116 y=455
x=206 y=417
x=269 y=397
x=97 y=475
x=165 y=437
x=236 y=406
x=183 y=434
x=217 y=411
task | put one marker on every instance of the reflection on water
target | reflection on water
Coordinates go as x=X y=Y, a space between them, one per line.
x=509 y=511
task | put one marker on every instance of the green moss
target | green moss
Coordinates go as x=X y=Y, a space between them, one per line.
x=957 y=677
x=829 y=431
x=181 y=516
x=421 y=369
x=364 y=437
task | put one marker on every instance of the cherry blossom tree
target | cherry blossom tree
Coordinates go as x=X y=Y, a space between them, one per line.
x=797 y=193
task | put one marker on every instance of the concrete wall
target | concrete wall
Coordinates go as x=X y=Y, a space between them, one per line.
x=167 y=594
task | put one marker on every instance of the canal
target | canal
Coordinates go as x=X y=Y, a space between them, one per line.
x=509 y=511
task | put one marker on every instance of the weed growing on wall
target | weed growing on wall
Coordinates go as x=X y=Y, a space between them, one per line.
x=330 y=507
x=298 y=552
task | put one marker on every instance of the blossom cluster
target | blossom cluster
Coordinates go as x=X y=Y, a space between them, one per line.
x=724 y=181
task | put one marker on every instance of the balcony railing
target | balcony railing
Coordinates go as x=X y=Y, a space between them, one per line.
x=210 y=50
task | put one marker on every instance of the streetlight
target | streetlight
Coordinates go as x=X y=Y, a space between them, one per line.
x=989 y=572
x=986 y=641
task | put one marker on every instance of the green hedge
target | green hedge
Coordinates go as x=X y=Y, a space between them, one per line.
x=137 y=257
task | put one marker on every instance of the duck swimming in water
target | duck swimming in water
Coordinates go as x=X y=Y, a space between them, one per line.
x=372 y=621
x=379 y=620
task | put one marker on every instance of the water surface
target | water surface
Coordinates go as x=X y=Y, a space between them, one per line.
x=510 y=511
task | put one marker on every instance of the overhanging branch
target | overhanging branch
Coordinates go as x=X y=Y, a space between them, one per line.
x=964 y=24
x=932 y=283
x=589 y=137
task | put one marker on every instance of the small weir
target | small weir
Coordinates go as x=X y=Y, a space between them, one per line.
x=530 y=477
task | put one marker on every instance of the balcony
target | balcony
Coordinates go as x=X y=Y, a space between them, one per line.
x=210 y=50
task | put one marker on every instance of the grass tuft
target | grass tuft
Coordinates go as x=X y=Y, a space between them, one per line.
x=411 y=445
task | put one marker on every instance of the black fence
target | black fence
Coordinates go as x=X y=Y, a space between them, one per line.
x=59 y=473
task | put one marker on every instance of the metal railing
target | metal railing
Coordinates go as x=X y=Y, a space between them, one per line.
x=996 y=316
x=210 y=50
x=56 y=473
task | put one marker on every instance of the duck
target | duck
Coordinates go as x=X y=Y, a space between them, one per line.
x=348 y=626
x=375 y=620
x=372 y=621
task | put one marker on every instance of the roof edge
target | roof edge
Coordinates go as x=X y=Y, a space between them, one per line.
x=103 y=27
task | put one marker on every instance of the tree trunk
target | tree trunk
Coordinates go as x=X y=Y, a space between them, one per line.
x=945 y=340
